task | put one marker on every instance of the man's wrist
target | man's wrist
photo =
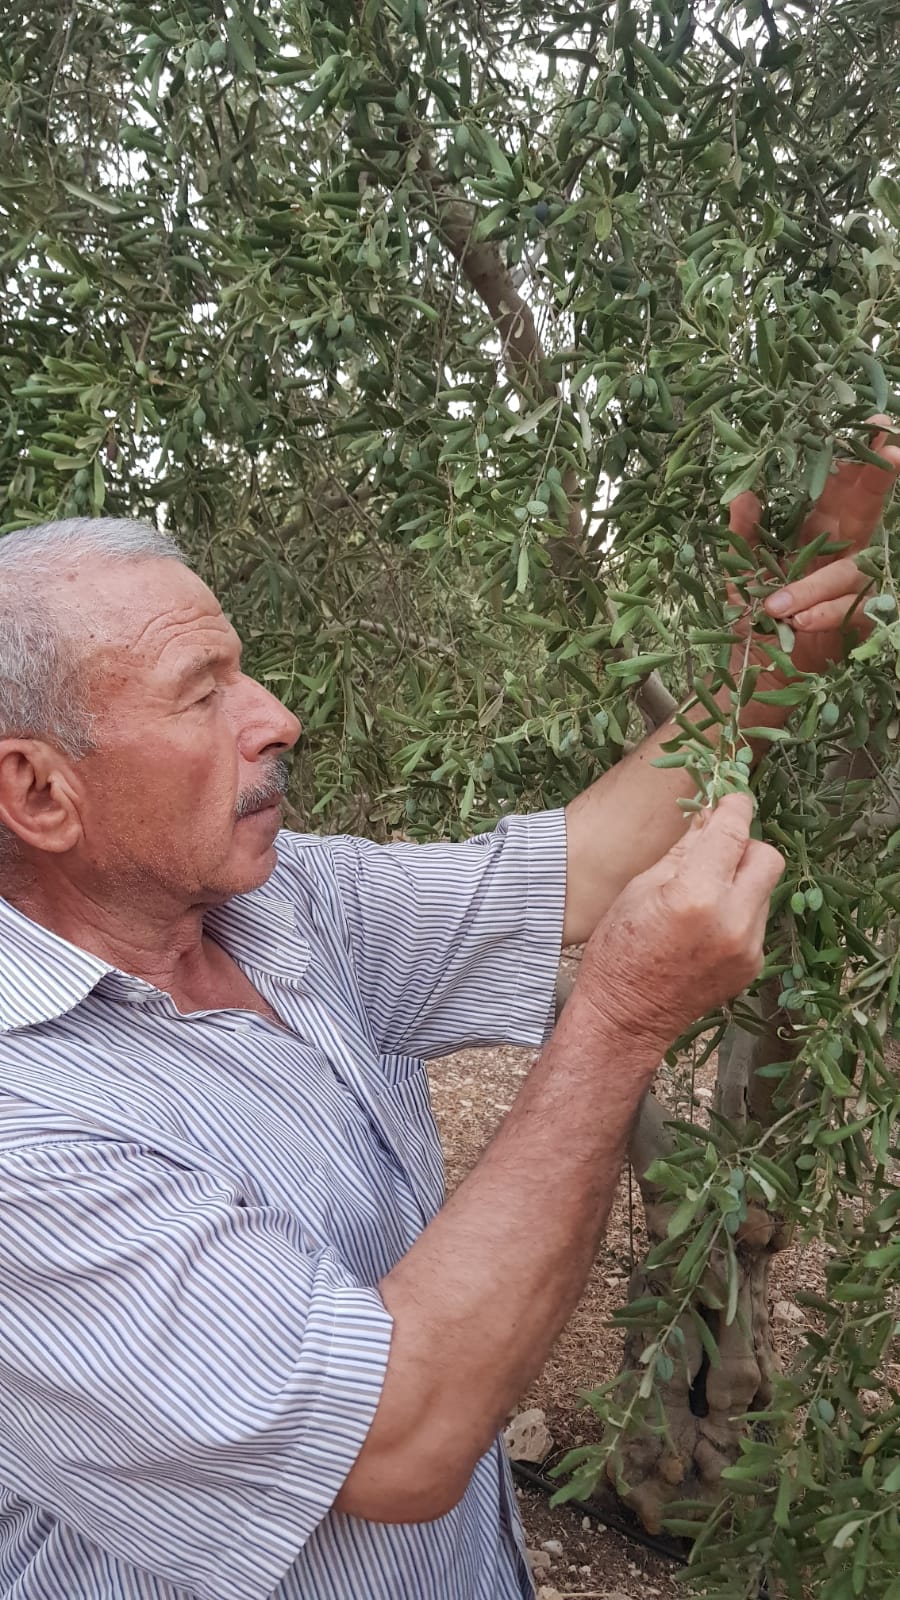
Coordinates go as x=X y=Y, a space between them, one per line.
x=612 y=1031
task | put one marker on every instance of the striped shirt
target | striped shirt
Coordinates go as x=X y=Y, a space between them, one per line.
x=196 y=1211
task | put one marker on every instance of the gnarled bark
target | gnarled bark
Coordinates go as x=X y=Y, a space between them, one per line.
x=704 y=1402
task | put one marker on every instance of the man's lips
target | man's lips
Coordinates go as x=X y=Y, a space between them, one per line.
x=267 y=810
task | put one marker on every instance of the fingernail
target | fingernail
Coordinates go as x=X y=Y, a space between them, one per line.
x=780 y=604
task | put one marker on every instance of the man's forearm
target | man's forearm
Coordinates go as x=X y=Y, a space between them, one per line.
x=480 y=1298
x=630 y=817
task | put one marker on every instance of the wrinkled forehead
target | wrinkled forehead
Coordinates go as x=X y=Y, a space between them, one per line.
x=138 y=619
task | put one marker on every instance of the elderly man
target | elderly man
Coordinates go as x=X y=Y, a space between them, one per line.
x=246 y=1349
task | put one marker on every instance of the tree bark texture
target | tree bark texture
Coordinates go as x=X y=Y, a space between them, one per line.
x=704 y=1403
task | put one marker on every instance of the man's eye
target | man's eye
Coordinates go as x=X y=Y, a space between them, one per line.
x=206 y=698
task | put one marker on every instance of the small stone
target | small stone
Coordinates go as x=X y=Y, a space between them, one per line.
x=527 y=1436
x=786 y=1311
x=547 y=1592
x=585 y=1524
x=539 y=1561
x=553 y=1547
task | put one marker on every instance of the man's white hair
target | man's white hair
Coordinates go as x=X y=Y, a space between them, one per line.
x=42 y=684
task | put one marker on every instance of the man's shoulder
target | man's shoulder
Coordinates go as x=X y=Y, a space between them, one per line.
x=295 y=843
x=304 y=859
x=321 y=858
x=313 y=848
x=310 y=851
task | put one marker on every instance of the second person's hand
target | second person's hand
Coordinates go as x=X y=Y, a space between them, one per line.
x=824 y=606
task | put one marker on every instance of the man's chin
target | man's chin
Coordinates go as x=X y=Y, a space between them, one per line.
x=261 y=868
x=253 y=857
x=238 y=878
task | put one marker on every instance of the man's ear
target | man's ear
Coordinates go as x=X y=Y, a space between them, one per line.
x=39 y=795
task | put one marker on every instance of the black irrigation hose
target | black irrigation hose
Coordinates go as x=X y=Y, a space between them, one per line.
x=609 y=1515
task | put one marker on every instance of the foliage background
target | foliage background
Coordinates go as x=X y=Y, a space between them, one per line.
x=441 y=333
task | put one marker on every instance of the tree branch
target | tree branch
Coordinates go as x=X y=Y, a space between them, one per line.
x=418 y=641
x=485 y=270
x=655 y=703
x=877 y=823
x=740 y=1091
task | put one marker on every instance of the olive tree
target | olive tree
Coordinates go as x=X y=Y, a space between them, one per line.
x=445 y=336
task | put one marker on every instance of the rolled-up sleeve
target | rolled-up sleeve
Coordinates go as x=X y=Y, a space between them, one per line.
x=181 y=1380
x=457 y=944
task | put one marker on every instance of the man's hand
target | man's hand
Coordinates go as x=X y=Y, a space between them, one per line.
x=824 y=606
x=686 y=935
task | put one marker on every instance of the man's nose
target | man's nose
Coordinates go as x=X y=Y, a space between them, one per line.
x=271 y=728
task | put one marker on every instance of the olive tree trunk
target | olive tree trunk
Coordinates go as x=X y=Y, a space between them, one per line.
x=704 y=1402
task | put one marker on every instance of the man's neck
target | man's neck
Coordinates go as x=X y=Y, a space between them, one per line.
x=162 y=944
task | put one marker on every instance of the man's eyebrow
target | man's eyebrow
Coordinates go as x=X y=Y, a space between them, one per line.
x=206 y=661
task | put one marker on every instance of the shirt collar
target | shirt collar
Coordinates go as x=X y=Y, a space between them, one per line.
x=261 y=930
x=43 y=976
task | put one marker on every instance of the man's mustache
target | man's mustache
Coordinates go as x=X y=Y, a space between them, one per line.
x=271 y=788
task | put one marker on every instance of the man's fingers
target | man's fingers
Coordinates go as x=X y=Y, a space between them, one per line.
x=888 y=430
x=760 y=868
x=837 y=580
x=721 y=841
x=832 y=616
x=850 y=504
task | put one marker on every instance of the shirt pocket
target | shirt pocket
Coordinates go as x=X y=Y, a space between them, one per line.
x=399 y=1070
